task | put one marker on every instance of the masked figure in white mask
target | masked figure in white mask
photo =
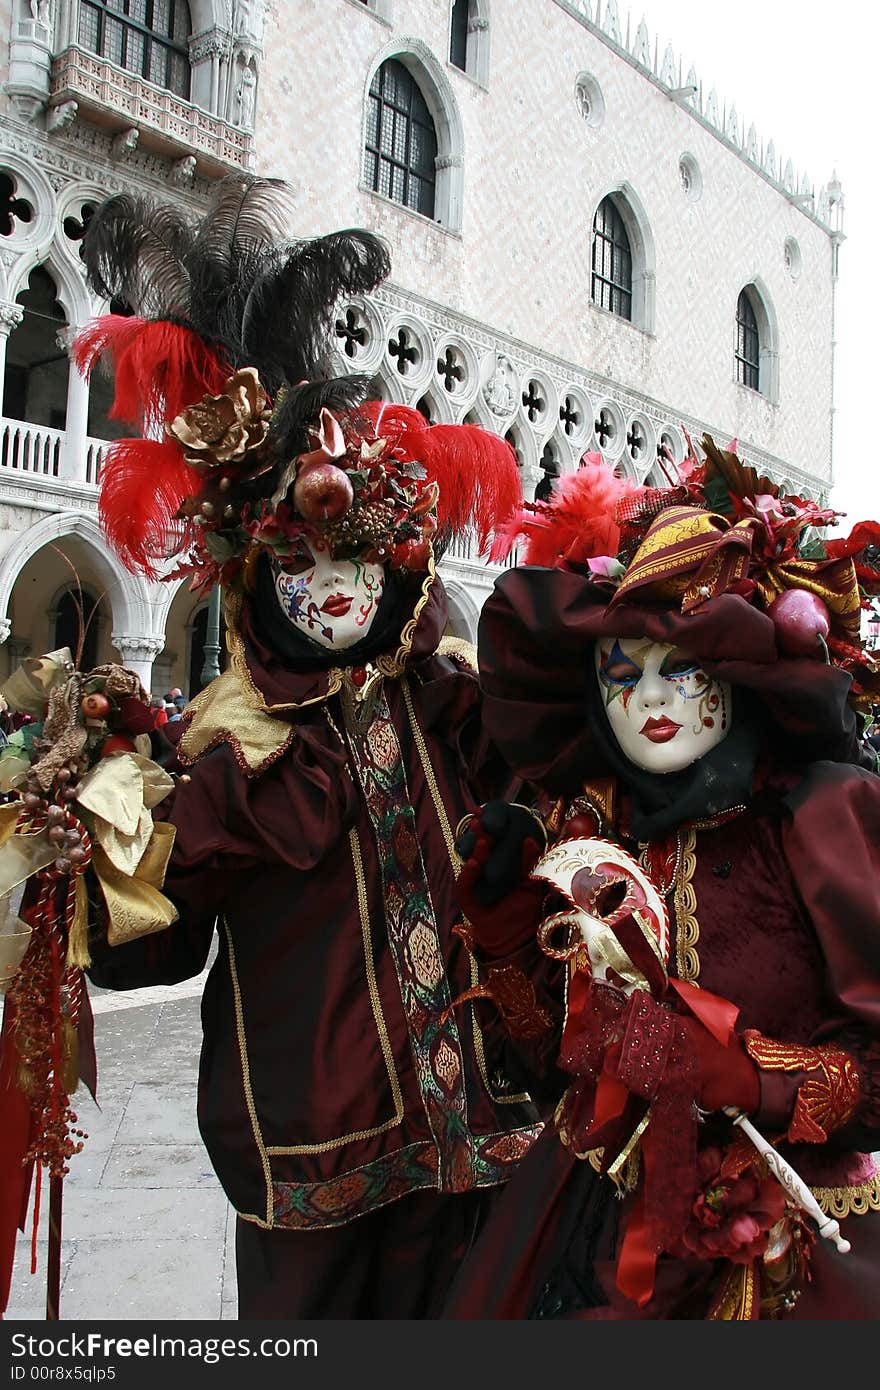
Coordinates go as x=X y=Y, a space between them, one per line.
x=686 y=684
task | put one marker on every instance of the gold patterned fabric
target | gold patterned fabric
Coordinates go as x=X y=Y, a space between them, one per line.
x=222 y=713
x=856 y=1199
x=828 y=1096
x=833 y=581
x=690 y=555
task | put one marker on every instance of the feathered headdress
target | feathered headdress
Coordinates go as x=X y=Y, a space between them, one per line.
x=246 y=441
x=718 y=528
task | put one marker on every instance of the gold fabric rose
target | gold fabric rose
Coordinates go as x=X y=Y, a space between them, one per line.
x=225 y=428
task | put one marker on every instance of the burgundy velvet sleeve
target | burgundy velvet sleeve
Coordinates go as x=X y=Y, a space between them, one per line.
x=230 y=827
x=832 y=844
x=451 y=709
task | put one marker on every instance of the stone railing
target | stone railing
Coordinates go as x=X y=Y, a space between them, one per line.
x=464 y=549
x=31 y=449
x=95 y=451
x=36 y=451
x=125 y=101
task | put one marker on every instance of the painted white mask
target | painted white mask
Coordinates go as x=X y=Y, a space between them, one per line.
x=333 y=602
x=664 y=711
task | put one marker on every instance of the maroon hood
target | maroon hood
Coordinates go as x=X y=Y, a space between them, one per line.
x=282 y=684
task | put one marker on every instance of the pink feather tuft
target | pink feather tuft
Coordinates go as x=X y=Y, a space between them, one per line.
x=577 y=524
x=475 y=470
x=143 y=483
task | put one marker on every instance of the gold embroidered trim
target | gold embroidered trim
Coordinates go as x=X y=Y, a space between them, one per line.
x=737 y=1296
x=773 y=1055
x=457 y=646
x=246 y=1078
x=829 y=1094
x=684 y=901
x=616 y=1170
x=222 y=714
x=394 y=665
x=329 y=1144
x=624 y=1172
x=521 y=1098
x=849 y=1201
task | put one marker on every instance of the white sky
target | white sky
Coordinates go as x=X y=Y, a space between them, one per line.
x=804 y=74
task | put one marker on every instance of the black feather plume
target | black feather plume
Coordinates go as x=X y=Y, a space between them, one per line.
x=300 y=407
x=137 y=252
x=234 y=243
x=287 y=316
x=234 y=276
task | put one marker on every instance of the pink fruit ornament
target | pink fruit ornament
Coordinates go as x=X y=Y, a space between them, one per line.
x=322 y=492
x=800 y=619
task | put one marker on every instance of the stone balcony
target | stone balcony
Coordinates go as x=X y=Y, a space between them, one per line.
x=37 y=453
x=120 y=101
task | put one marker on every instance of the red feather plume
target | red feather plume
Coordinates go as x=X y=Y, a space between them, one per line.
x=143 y=482
x=475 y=470
x=160 y=367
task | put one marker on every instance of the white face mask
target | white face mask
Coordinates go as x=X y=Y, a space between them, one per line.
x=664 y=711
x=333 y=602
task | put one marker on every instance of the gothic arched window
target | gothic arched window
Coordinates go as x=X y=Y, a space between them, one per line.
x=458 y=33
x=611 y=286
x=401 y=141
x=748 y=343
x=146 y=37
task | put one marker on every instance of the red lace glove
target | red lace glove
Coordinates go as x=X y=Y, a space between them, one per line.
x=726 y=1075
x=500 y=846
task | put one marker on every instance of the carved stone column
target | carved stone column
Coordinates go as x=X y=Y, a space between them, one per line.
x=530 y=480
x=11 y=316
x=73 y=452
x=138 y=654
x=209 y=54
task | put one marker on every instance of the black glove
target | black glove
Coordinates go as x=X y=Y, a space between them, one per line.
x=500 y=847
x=501 y=844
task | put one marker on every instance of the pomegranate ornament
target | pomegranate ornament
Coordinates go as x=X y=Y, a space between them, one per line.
x=322 y=492
x=801 y=620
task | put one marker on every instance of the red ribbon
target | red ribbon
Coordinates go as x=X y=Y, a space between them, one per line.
x=716 y=1014
x=15 y=1140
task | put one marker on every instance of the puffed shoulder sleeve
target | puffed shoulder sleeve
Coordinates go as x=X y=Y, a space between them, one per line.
x=831 y=839
x=229 y=828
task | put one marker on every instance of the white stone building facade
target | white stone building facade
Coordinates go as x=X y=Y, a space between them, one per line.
x=589 y=252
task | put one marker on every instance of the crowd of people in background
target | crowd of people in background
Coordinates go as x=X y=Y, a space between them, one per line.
x=165 y=709
x=168 y=707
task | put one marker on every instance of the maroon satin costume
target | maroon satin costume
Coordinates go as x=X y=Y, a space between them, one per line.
x=335 y=1091
x=777 y=910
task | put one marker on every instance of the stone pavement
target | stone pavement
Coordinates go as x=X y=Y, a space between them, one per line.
x=147 y=1232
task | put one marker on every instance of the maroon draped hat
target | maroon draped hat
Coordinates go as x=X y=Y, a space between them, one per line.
x=719 y=564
